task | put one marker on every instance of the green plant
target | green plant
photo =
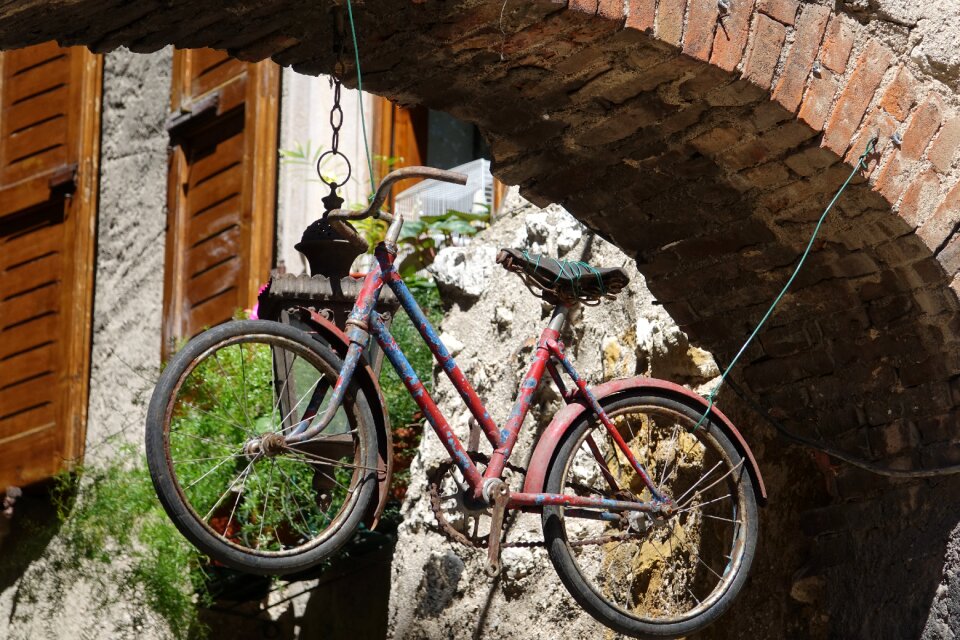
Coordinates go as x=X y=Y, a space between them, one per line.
x=112 y=511
x=428 y=234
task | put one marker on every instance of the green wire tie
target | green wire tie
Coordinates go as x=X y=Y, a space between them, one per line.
x=871 y=145
x=363 y=118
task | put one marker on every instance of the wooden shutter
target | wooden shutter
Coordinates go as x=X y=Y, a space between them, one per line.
x=222 y=189
x=49 y=159
x=399 y=140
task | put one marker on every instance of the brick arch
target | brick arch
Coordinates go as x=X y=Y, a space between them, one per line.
x=706 y=146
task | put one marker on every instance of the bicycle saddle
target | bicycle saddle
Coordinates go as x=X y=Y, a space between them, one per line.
x=563 y=280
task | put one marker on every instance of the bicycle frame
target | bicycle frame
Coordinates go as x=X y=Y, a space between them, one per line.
x=364 y=322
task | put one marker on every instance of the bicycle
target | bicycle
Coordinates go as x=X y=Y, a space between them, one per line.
x=263 y=448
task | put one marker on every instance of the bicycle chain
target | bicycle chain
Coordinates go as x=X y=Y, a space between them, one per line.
x=448 y=531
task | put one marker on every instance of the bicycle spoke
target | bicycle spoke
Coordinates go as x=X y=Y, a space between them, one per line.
x=216 y=358
x=676 y=463
x=215 y=467
x=238 y=455
x=295 y=407
x=295 y=485
x=327 y=461
x=266 y=502
x=243 y=485
x=283 y=387
x=215 y=416
x=707 y=515
x=694 y=485
x=202 y=439
x=702 y=504
x=243 y=381
x=712 y=484
x=696 y=554
x=224 y=494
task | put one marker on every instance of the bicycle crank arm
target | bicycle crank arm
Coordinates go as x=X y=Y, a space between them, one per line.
x=501 y=498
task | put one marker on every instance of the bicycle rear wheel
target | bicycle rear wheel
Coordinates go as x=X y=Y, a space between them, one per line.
x=258 y=505
x=644 y=575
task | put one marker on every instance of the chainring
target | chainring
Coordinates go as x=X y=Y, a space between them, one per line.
x=478 y=538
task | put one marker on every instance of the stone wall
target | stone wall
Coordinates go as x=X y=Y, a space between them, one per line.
x=131 y=233
x=438 y=587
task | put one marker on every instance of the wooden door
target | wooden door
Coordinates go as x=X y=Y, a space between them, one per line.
x=222 y=189
x=49 y=160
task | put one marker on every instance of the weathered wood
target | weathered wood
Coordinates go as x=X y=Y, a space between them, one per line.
x=49 y=128
x=221 y=192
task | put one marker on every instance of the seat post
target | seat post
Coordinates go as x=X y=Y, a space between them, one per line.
x=559 y=317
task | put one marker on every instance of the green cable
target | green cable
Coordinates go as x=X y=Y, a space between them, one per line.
x=871 y=144
x=363 y=118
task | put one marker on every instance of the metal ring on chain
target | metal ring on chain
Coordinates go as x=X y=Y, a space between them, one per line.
x=333 y=184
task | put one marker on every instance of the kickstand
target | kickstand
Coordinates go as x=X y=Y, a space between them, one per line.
x=501 y=496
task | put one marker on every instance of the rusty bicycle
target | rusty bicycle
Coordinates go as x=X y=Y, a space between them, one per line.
x=264 y=444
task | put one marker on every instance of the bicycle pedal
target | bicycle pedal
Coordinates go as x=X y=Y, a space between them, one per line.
x=501 y=496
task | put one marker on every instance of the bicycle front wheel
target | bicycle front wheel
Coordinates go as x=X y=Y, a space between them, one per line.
x=645 y=575
x=261 y=506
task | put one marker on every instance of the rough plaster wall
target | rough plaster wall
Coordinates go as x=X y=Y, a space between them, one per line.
x=438 y=588
x=41 y=602
x=925 y=32
x=130 y=247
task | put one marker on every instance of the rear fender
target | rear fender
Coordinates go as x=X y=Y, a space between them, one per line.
x=325 y=330
x=549 y=441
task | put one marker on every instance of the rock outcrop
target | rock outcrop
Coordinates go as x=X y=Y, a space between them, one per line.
x=438 y=587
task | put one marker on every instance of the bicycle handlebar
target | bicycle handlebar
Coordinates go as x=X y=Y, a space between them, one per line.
x=387 y=184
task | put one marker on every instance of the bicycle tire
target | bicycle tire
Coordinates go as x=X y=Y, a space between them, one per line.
x=196 y=408
x=632 y=596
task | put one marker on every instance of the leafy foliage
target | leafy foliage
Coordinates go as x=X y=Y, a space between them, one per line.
x=113 y=511
x=425 y=236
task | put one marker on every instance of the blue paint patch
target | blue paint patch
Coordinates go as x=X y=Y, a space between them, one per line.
x=529 y=383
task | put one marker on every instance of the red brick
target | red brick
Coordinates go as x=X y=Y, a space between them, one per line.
x=924 y=123
x=611 y=9
x=806 y=44
x=716 y=141
x=837 y=45
x=732 y=35
x=920 y=198
x=943 y=151
x=642 y=14
x=818 y=100
x=768 y=114
x=892 y=179
x=943 y=221
x=949 y=258
x=900 y=95
x=701 y=25
x=856 y=96
x=764 y=52
x=882 y=125
x=669 y=23
x=772 y=174
x=783 y=10
x=811 y=161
